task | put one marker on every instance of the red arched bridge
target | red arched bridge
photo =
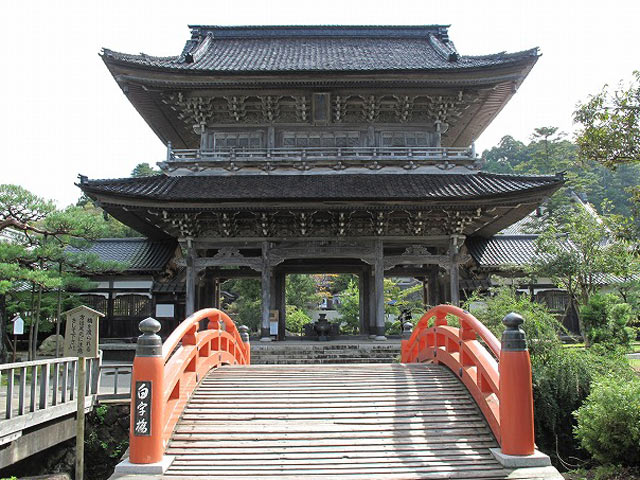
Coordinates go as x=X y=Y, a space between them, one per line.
x=458 y=406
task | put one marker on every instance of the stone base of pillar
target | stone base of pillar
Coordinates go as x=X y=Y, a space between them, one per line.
x=537 y=459
x=380 y=331
x=380 y=338
x=372 y=336
x=125 y=467
x=265 y=335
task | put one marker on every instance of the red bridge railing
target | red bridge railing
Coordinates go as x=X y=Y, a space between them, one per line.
x=498 y=376
x=165 y=375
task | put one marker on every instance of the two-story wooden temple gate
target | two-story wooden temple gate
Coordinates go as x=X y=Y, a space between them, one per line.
x=459 y=406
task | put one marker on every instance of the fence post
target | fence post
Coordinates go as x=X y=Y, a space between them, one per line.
x=147 y=390
x=516 y=391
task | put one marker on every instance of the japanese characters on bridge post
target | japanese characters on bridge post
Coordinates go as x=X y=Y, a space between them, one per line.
x=81 y=340
x=142 y=417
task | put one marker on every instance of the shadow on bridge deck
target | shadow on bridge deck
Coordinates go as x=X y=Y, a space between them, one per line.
x=334 y=422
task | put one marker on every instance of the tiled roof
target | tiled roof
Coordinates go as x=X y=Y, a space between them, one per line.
x=319 y=48
x=138 y=254
x=523 y=226
x=504 y=250
x=249 y=188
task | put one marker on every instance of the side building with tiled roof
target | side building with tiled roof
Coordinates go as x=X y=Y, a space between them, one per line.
x=146 y=283
x=320 y=149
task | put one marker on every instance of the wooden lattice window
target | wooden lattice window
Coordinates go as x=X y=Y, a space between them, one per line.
x=405 y=139
x=238 y=140
x=556 y=301
x=132 y=306
x=97 y=302
x=320 y=139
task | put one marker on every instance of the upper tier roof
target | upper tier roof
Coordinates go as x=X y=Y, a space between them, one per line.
x=217 y=49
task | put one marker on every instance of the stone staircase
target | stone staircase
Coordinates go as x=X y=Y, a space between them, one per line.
x=300 y=353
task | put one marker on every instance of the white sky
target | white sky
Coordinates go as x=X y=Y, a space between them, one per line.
x=63 y=114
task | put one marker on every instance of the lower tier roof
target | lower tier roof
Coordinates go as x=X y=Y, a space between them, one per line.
x=369 y=187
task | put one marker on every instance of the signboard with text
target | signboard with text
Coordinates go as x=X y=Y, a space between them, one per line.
x=18 y=325
x=81 y=332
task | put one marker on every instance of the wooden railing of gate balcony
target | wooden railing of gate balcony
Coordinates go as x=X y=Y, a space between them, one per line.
x=174 y=369
x=498 y=376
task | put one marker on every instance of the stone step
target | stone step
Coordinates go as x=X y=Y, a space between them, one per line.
x=323 y=353
x=284 y=358
x=319 y=361
x=315 y=350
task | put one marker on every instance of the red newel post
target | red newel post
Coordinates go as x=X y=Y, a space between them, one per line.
x=516 y=391
x=147 y=390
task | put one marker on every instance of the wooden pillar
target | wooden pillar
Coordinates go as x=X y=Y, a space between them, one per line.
x=280 y=303
x=454 y=278
x=454 y=269
x=432 y=287
x=266 y=278
x=206 y=294
x=371 y=302
x=378 y=272
x=362 y=303
x=425 y=293
x=109 y=319
x=216 y=292
x=190 y=302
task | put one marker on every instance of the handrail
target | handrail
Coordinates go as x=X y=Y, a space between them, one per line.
x=165 y=375
x=39 y=391
x=502 y=390
x=275 y=153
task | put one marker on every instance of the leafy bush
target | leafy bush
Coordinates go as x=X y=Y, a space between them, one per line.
x=540 y=326
x=606 y=320
x=349 y=309
x=296 y=319
x=609 y=421
x=562 y=380
x=562 y=377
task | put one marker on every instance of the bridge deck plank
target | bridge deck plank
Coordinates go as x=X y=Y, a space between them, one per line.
x=332 y=422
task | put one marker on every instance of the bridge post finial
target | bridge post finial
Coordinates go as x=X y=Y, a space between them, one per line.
x=147 y=390
x=513 y=338
x=407 y=328
x=149 y=343
x=516 y=391
x=244 y=333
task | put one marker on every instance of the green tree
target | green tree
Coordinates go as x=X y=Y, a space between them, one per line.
x=574 y=254
x=607 y=321
x=341 y=281
x=610 y=125
x=349 y=309
x=302 y=291
x=144 y=170
x=246 y=309
x=396 y=299
x=550 y=152
x=39 y=259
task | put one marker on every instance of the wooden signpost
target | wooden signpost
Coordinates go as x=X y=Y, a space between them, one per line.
x=81 y=340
